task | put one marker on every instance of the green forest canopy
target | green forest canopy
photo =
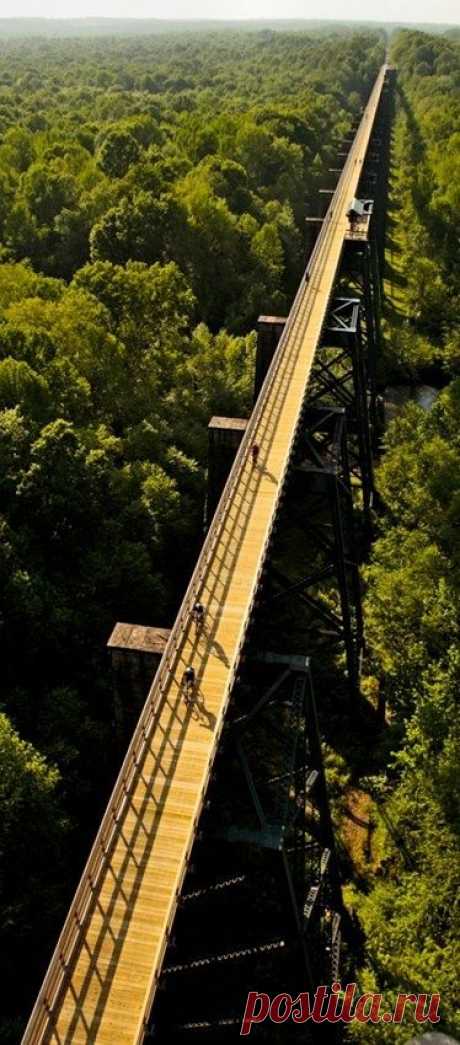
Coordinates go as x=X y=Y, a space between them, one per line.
x=409 y=904
x=152 y=200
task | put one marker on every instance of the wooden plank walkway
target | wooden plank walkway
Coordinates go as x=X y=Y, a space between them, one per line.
x=102 y=977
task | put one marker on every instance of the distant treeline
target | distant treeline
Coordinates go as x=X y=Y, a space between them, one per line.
x=64 y=27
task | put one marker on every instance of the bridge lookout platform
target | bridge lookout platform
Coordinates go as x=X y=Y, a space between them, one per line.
x=103 y=975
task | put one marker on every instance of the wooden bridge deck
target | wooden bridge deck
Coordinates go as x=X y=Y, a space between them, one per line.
x=102 y=977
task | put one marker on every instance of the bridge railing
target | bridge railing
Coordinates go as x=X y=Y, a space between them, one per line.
x=71 y=934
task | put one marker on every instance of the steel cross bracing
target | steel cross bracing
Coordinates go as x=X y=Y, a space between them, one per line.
x=321 y=510
x=104 y=972
x=341 y=376
x=262 y=893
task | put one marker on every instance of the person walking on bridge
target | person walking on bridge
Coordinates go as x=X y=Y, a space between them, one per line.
x=198 y=615
x=255 y=450
x=189 y=682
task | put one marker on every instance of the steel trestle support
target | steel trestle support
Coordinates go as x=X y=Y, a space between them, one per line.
x=321 y=507
x=268 y=816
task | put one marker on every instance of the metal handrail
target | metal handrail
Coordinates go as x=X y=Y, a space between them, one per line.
x=115 y=809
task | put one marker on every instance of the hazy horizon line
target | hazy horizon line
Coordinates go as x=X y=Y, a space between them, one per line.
x=216 y=18
x=130 y=20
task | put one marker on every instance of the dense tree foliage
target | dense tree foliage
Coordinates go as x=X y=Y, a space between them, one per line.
x=33 y=829
x=426 y=203
x=410 y=911
x=152 y=199
x=198 y=150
